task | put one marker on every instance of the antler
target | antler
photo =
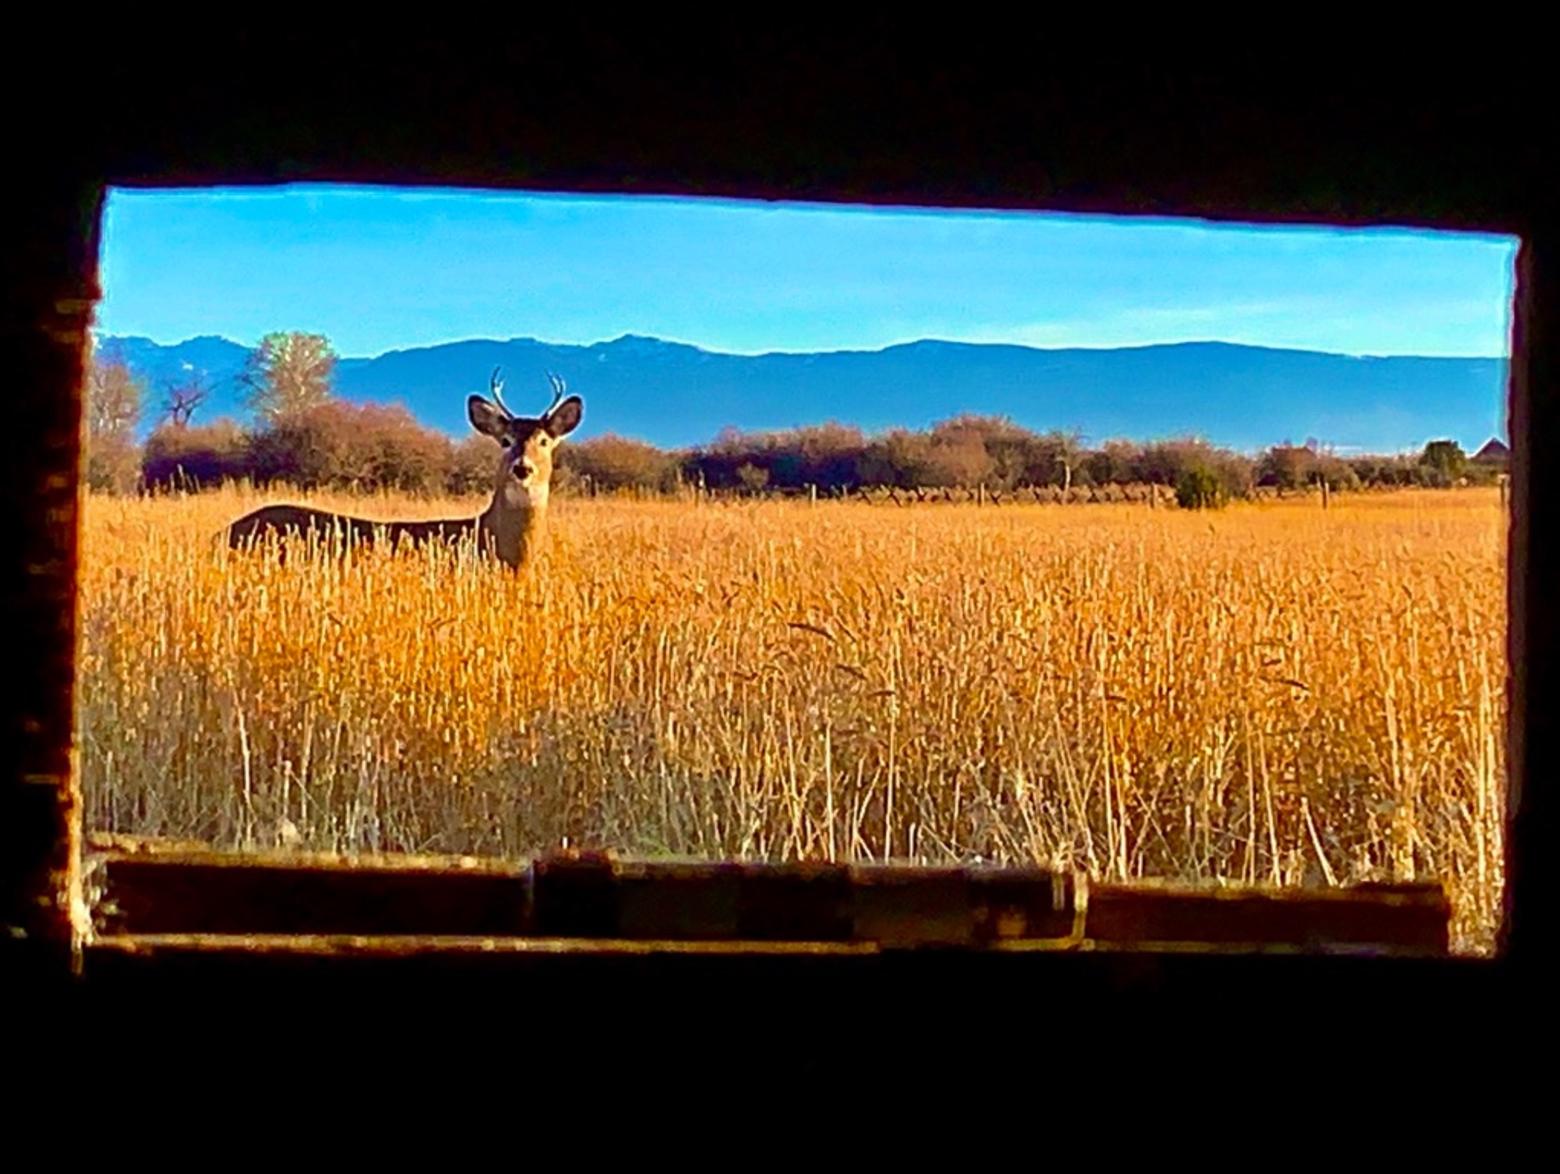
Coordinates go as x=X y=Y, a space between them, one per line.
x=559 y=387
x=496 y=386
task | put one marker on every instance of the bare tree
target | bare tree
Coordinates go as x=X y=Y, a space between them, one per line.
x=113 y=398
x=113 y=409
x=290 y=373
x=182 y=399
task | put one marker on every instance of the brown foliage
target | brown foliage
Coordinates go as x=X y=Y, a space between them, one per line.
x=195 y=458
x=472 y=464
x=615 y=462
x=353 y=446
x=957 y=458
x=113 y=407
x=112 y=463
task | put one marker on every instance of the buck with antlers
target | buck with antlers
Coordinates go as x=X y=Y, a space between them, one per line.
x=509 y=529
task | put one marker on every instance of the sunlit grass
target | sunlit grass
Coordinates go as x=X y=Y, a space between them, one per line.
x=1273 y=693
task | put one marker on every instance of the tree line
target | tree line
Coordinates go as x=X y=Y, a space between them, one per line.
x=306 y=436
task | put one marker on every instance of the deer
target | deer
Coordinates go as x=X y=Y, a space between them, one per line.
x=510 y=529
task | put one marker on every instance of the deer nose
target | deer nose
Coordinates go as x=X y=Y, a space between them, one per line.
x=524 y=470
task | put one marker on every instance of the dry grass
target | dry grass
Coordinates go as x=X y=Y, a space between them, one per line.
x=1270 y=694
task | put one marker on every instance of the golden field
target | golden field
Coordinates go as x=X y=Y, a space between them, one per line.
x=1273 y=693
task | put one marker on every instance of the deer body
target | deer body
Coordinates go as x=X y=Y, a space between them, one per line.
x=510 y=529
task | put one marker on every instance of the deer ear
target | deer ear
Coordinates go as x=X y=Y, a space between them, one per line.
x=565 y=418
x=487 y=419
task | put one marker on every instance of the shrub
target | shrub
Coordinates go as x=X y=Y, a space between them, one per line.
x=1200 y=488
x=1338 y=473
x=898 y=458
x=1287 y=466
x=830 y=456
x=958 y=460
x=1442 y=463
x=1384 y=470
x=113 y=464
x=752 y=479
x=473 y=461
x=354 y=446
x=195 y=457
x=616 y=462
x=1115 y=462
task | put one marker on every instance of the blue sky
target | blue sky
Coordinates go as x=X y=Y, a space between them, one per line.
x=381 y=269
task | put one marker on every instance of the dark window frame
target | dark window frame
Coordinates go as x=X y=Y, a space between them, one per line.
x=1423 y=177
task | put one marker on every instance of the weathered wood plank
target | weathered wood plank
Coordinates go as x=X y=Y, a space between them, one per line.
x=1413 y=917
x=411 y=945
x=204 y=893
x=147 y=892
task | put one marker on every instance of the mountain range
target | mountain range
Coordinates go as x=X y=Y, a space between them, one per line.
x=673 y=394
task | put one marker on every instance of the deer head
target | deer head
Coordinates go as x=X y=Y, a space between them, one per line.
x=525 y=472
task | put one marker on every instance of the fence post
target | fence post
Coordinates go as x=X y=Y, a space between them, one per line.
x=812 y=494
x=1325 y=493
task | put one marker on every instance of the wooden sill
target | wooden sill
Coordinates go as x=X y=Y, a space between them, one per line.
x=150 y=898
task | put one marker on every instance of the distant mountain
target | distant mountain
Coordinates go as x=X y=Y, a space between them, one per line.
x=216 y=361
x=672 y=394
